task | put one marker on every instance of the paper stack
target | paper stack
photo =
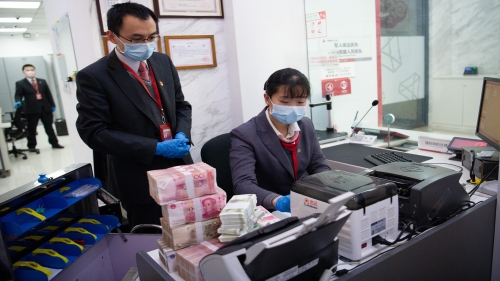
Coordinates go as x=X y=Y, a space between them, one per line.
x=188 y=259
x=181 y=182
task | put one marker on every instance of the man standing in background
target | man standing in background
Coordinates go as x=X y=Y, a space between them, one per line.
x=38 y=103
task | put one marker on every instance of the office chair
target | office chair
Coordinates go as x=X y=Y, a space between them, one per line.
x=215 y=153
x=20 y=132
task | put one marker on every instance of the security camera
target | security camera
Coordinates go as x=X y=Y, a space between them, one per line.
x=17 y=18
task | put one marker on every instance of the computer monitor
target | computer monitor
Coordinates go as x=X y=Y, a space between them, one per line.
x=488 y=127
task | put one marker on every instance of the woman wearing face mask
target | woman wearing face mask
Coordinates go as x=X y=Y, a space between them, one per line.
x=278 y=146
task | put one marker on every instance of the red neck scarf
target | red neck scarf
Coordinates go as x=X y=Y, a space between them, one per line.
x=292 y=146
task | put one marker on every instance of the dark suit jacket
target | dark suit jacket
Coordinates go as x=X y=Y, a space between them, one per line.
x=260 y=165
x=114 y=119
x=32 y=105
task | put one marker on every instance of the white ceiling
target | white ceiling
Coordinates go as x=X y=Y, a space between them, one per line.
x=37 y=25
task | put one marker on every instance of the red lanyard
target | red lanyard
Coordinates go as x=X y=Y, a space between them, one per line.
x=155 y=88
x=34 y=84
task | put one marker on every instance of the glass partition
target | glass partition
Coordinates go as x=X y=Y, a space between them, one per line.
x=409 y=55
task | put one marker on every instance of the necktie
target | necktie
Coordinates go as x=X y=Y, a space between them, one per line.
x=33 y=84
x=143 y=71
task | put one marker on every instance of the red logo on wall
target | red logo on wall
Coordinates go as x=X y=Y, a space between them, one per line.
x=336 y=87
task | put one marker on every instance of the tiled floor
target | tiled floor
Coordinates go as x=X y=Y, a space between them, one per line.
x=49 y=160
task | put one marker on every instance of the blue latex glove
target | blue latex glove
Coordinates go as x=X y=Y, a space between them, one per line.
x=181 y=136
x=17 y=104
x=283 y=204
x=174 y=148
x=53 y=108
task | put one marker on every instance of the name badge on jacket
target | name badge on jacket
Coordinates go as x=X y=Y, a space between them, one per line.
x=38 y=96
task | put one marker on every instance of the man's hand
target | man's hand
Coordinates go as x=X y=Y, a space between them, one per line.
x=181 y=136
x=174 y=148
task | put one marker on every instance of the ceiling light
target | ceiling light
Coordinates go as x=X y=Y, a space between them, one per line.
x=13 y=29
x=19 y=5
x=16 y=19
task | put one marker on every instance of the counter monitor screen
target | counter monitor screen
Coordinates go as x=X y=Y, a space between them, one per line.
x=488 y=128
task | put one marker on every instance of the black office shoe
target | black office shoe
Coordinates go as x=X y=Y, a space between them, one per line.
x=57 y=146
x=33 y=150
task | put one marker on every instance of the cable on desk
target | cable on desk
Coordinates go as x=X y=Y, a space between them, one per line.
x=461 y=168
x=485 y=177
x=379 y=240
x=440 y=220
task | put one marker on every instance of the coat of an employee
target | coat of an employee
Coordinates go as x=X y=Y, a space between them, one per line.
x=115 y=120
x=260 y=165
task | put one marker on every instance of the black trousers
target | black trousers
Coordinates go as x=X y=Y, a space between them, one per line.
x=47 y=120
x=143 y=214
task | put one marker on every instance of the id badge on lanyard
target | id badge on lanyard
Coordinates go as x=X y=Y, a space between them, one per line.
x=165 y=132
x=165 y=129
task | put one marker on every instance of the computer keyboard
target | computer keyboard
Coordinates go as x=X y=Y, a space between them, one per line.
x=386 y=157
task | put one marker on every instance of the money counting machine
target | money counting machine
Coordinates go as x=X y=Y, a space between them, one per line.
x=291 y=249
x=411 y=191
x=52 y=229
x=374 y=207
x=426 y=192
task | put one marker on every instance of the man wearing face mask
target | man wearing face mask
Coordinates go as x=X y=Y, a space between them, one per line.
x=39 y=105
x=132 y=109
x=278 y=146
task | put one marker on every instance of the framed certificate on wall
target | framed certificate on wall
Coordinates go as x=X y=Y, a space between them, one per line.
x=189 y=8
x=104 y=5
x=191 y=51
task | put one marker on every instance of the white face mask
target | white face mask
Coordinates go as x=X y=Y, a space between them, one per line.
x=30 y=73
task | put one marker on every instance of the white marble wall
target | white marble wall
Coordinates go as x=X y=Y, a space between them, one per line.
x=207 y=89
x=464 y=33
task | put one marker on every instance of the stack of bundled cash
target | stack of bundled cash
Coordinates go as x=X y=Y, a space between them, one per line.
x=188 y=259
x=181 y=182
x=241 y=215
x=191 y=203
x=189 y=234
x=167 y=255
x=194 y=210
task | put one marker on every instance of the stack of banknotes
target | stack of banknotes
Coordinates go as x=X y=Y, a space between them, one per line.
x=194 y=210
x=241 y=215
x=189 y=234
x=181 y=182
x=188 y=259
x=167 y=255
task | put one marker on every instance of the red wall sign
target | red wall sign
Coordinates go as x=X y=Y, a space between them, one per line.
x=336 y=87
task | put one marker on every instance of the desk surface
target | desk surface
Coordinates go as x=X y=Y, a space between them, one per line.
x=428 y=242
x=354 y=154
x=440 y=159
